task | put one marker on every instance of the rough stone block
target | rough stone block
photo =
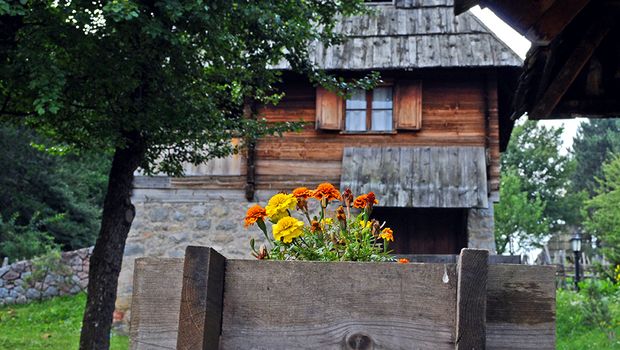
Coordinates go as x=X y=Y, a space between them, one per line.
x=11 y=275
x=9 y=301
x=50 y=292
x=134 y=249
x=218 y=211
x=21 y=299
x=4 y=293
x=32 y=293
x=203 y=224
x=178 y=216
x=226 y=225
x=159 y=214
x=198 y=210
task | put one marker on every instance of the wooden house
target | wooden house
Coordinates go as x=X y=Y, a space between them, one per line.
x=427 y=141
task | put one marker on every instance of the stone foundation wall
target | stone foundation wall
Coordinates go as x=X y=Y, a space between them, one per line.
x=167 y=221
x=19 y=285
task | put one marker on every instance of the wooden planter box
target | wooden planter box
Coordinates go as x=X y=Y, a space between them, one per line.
x=250 y=304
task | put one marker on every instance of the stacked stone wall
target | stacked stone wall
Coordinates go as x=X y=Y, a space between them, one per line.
x=167 y=221
x=20 y=282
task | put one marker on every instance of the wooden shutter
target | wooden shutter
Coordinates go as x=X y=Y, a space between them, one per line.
x=329 y=109
x=408 y=105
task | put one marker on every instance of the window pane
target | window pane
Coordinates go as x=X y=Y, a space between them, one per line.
x=356 y=121
x=357 y=99
x=382 y=97
x=382 y=120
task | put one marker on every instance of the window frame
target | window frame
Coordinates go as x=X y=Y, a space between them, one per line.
x=369 y=109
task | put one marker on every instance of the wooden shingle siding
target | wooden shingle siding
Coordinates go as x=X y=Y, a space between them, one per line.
x=412 y=34
x=438 y=177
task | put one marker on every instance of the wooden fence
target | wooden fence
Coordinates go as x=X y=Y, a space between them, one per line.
x=208 y=302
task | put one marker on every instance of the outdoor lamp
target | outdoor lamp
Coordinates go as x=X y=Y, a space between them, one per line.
x=575 y=244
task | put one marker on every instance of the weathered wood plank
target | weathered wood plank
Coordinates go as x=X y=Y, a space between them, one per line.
x=155 y=303
x=200 y=315
x=326 y=306
x=521 y=307
x=471 y=299
x=442 y=177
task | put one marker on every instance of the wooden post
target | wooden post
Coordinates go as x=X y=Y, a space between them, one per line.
x=200 y=318
x=471 y=299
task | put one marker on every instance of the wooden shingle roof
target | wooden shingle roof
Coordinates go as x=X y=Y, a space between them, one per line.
x=413 y=34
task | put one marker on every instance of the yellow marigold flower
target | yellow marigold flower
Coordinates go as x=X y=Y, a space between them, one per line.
x=287 y=228
x=254 y=214
x=387 y=234
x=278 y=205
x=328 y=221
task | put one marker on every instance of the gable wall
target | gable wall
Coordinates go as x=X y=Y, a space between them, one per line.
x=453 y=114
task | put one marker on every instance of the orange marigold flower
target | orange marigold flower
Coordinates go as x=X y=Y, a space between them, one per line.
x=371 y=199
x=387 y=234
x=302 y=193
x=365 y=200
x=403 y=261
x=360 y=202
x=255 y=213
x=326 y=191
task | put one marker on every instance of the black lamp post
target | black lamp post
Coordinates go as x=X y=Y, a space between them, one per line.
x=575 y=244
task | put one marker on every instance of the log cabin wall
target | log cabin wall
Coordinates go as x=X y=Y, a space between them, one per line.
x=455 y=105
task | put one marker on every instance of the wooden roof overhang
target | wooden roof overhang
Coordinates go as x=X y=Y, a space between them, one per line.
x=573 y=67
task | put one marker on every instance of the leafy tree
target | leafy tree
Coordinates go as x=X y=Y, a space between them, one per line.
x=603 y=210
x=534 y=153
x=519 y=219
x=25 y=241
x=596 y=139
x=66 y=187
x=158 y=82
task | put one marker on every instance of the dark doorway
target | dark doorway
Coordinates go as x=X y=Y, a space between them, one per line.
x=425 y=230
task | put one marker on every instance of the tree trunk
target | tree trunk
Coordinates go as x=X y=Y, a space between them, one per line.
x=105 y=262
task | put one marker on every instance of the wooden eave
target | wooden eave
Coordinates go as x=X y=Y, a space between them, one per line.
x=572 y=69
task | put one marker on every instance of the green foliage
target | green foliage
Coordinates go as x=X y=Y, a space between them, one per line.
x=66 y=190
x=174 y=74
x=534 y=152
x=535 y=200
x=518 y=218
x=589 y=319
x=603 y=210
x=596 y=139
x=23 y=242
x=48 y=325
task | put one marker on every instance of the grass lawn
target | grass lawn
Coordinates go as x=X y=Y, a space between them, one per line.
x=573 y=330
x=52 y=325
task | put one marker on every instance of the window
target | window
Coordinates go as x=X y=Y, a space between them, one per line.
x=369 y=110
x=384 y=109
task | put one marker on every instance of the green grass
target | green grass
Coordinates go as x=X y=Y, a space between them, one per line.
x=575 y=332
x=51 y=324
